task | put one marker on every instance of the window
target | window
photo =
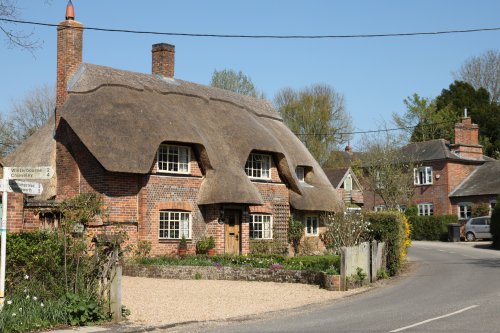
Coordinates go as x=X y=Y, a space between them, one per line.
x=174 y=224
x=425 y=209
x=173 y=159
x=299 y=171
x=261 y=226
x=464 y=210
x=422 y=176
x=379 y=208
x=348 y=183
x=312 y=225
x=258 y=166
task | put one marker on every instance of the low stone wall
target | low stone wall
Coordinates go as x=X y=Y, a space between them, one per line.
x=329 y=282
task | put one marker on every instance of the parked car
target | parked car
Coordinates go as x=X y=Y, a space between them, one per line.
x=478 y=228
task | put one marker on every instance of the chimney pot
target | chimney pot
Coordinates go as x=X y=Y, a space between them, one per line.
x=70 y=11
x=163 y=60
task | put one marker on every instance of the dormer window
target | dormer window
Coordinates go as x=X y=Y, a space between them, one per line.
x=173 y=159
x=258 y=166
x=422 y=176
x=300 y=172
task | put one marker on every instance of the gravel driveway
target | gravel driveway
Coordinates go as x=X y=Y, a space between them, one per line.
x=160 y=301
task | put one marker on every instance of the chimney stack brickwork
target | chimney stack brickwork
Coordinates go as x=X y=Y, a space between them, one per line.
x=163 y=60
x=467 y=139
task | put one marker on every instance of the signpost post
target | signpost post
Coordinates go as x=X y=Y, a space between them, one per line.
x=9 y=183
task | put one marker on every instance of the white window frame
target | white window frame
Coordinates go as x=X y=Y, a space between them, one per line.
x=179 y=164
x=312 y=225
x=379 y=208
x=252 y=169
x=402 y=208
x=300 y=172
x=422 y=175
x=348 y=181
x=425 y=209
x=266 y=227
x=464 y=210
x=168 y=217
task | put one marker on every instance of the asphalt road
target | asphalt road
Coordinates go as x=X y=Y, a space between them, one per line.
x=451 y=288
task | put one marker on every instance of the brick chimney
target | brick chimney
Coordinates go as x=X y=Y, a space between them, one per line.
x=69 y=52
x=467 y=139
x=163 y=60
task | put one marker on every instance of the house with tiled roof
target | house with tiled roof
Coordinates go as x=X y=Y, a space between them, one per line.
x=170 y=158
x=346 y=183
x=449 y=178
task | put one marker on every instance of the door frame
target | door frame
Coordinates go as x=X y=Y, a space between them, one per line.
x=238 y=211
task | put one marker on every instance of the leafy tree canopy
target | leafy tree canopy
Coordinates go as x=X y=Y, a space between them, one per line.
x=317 y=115
x=237 y=82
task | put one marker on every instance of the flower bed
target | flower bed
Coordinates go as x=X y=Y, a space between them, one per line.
x=329 y=264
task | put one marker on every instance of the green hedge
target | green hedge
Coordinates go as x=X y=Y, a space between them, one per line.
x=388 y=227
x=431 y=228
x=312 y=263
x=495 y=226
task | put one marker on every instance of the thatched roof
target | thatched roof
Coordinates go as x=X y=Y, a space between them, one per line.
x=122 y=117
x=38 y=150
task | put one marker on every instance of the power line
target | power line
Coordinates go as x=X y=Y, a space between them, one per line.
x=180 y=34
x=374 y=131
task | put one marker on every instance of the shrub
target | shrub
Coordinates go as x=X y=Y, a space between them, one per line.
x=344 y=230
x=431 y=228
x=183 y=243
x=204 y=244
x=143 y=248
x=495 y=226
x=268 y=246
x=388 y=227
x=295 y=233
x=82 y=309
x=480 y=209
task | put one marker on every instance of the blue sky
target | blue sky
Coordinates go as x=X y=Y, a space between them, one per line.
x=375 y=75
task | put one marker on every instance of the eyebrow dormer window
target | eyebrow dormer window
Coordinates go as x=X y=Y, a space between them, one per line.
x=300 y=172
x=173 y=159
x=258 y=166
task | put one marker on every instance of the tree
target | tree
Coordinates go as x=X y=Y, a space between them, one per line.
x=483 y=71
x=317 y=116
x=427 y=119
x=15 y=38
x=423 y=122
x=26 y=116
x=388 y=171
x=237 y=82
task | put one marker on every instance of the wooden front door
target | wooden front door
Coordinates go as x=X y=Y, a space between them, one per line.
x=232 y=228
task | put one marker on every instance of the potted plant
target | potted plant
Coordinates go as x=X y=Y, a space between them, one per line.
x=182 y=246
x=211 y=246
x=206 y=245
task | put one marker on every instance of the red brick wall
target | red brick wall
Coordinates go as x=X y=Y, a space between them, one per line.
x=447 y=175
x=69 y=56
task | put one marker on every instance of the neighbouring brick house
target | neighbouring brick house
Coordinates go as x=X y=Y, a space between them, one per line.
x=169 y=157
x=450 y=178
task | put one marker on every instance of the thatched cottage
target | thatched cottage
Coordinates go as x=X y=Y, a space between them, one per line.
x=170 y=157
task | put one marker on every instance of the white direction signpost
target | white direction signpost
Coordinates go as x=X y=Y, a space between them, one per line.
x=10 y=183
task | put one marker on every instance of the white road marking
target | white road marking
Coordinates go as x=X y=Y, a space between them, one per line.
x=432 y=319
x=441 y=250
x=469 y=256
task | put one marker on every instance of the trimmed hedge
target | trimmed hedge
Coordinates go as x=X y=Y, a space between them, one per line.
x=495 y=226
x=431 y=228
x=312 y=263
x=388 y=227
